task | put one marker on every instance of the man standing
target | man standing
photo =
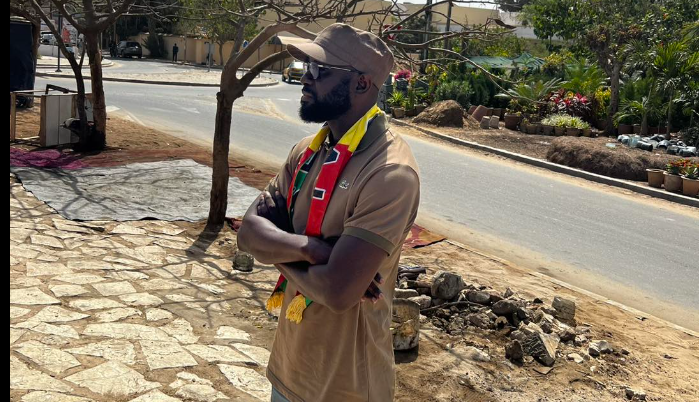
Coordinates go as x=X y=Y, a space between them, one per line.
x=175 y=50
x=332 y=222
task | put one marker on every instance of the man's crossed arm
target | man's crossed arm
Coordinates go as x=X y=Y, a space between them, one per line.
x=337 y=276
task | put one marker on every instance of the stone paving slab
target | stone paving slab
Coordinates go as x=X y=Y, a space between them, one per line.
x=104 y=311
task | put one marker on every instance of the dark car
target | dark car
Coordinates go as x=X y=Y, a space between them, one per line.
x=294 y=71
x=129 y=49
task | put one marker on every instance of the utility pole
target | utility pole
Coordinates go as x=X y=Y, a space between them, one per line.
x=426 y=37
x=448 y=27
x=60 y=30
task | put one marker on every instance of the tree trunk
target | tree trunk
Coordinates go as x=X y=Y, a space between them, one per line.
x=99 y=107
x=644 y=125
x=80 y=100
x=220 y=54
x=219 y=180
x=614 y=98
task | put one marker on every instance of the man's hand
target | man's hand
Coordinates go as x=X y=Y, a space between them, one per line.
x=273 y=208
x=373 y=293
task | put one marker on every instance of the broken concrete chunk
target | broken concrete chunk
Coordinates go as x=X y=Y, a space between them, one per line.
x=505 y=307
x=542 y=347
x=446 y=285
x=514 y=351
x=564 y=308
x=405 y=293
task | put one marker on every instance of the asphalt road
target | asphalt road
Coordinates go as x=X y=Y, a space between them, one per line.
x=600 y=240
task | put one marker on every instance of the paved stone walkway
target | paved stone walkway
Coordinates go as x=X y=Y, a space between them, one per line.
x=136 y=311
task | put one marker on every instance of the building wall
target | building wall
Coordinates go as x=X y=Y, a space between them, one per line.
x=194 y=50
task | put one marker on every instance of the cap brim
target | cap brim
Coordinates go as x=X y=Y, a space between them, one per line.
x=304 y=51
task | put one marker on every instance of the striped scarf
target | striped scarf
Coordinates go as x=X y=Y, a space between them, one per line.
x=322 y=191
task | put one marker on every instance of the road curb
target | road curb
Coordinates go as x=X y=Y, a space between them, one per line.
x=172 y=83
x=597 y=178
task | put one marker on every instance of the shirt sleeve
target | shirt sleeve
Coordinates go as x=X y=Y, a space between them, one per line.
x=386 y=207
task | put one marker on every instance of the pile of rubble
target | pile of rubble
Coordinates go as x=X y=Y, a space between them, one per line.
x=533 y=331
x=657 y=142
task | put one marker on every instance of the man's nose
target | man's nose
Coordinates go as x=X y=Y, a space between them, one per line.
x=306 y=78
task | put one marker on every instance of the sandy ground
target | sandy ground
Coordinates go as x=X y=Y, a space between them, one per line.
x=662 y=360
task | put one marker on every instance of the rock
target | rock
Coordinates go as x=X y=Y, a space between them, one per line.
x=538 y=300
x=423 y=301
x=579 y=340
x=485 y=122
x=542 y=347
x=565 y=308
x=508 y=293
x=505 y=307
x=477 y=296
x=405 y=293
x=501 y=322
x=475 y=354
x=446 y=285
x=531 y=329
x=518 y=335
x=546 y=326
x=524 y=314
x=575 y=357
x=446 y=113
x=437 y=302
x=243 y=261
x=567 y=335
x=405 y=325
x=633 y=394
x=480 y=320
x=514 y=351
x=494 y=296
x=537 y=316
x=494 y=122
x=479 y=113
x=597 y=348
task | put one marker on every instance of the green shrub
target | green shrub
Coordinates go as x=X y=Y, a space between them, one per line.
x=459 y=91
x=156 y=46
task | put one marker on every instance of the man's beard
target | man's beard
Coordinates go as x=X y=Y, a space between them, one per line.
x=330 y=107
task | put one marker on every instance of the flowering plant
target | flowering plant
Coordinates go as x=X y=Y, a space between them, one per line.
x=403 y=74
x=677 y=166
x=569 y=103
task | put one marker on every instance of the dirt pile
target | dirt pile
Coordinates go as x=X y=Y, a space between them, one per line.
x=442 y=114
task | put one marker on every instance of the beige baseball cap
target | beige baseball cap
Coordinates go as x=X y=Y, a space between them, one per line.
x=344 y=45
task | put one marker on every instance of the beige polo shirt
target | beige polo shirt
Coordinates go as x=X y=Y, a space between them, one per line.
x=349 y=356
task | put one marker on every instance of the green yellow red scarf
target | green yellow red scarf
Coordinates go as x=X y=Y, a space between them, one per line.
x=322 y=191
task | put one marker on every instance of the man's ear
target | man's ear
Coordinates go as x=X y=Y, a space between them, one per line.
x=363 y=84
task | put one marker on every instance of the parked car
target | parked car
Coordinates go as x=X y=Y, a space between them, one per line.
x=129 y=49
x=47 y=39
x=294 y=71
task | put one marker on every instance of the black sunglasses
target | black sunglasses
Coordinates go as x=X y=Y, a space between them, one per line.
x=316 y=68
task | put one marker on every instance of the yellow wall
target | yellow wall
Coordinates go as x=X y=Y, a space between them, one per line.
x=194 y=50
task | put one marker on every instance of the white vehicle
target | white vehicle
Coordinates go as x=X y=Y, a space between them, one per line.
x=48 y=39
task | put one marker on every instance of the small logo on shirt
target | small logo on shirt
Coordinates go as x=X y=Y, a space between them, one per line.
x=344 y=184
